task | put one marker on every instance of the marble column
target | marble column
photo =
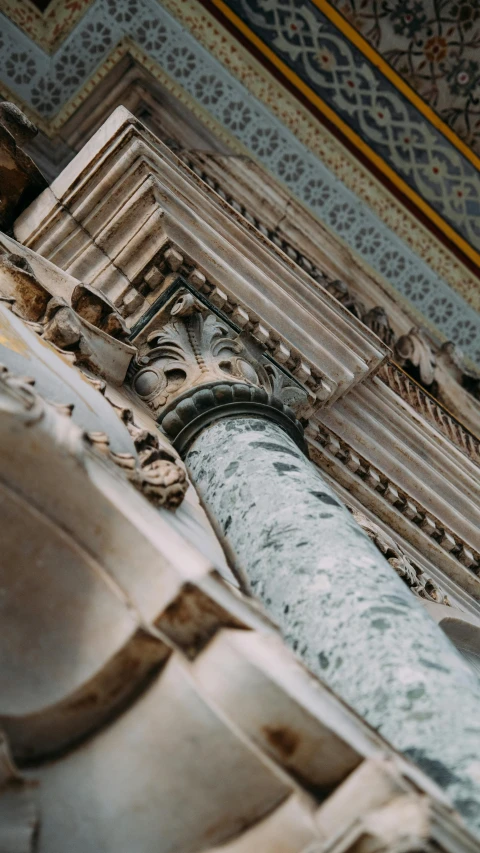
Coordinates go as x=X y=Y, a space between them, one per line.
x=339 y=603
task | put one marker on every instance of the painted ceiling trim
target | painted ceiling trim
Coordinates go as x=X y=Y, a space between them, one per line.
x=49 y=28
x=302 y=122
x=171 y=48
x=303 y=44
x=341 y=22
x=320 y=141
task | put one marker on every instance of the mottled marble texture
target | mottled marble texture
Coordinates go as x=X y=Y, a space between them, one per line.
x=339 y=603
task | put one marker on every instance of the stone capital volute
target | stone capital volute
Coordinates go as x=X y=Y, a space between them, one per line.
x=196 y=368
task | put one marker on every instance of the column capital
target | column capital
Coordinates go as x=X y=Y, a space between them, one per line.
x=194 y=368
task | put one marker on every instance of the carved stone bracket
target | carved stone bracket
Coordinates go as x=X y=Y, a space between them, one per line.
x=196 y=368
x=156 y=472
x=89 y=330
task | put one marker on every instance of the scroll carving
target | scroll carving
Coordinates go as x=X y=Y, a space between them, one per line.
x=157 y=474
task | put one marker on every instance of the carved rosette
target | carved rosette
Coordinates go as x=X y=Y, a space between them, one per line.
x=197 y=369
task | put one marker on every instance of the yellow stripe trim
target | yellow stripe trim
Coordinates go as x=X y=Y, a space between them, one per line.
x=376 y=59
x=332 y=116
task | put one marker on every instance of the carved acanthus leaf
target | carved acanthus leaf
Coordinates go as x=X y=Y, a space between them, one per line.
x=156 y=472
x=197 y=362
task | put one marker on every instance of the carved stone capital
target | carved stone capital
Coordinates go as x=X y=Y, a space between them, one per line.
x=196 y=368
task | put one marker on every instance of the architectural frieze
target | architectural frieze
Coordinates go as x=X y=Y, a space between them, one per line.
x=429 y=408
x=407 y=473
x=416 y=579
x=378 y=246
x=127 y=200
x=310 y=52
x=447 y=377
x=380 y=483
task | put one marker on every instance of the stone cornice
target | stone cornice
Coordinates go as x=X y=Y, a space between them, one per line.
x=399 y=466
x=126 y=200
x=430 y=409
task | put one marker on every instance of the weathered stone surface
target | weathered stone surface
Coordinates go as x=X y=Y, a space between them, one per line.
x=339 y=604
x=20 y=179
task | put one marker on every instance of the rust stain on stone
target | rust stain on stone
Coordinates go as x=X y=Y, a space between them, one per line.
x=283 y=739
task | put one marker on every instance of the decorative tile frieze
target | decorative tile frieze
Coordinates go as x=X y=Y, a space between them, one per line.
x=336 y=70
x=228 y=103
x=434 y=49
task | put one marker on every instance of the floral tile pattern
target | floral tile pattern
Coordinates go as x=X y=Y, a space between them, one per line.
x=372 y=106
x=48 y=28
x=435 y=46
x=341 y=163
x=172 y=48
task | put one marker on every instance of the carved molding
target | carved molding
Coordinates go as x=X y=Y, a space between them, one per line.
x=143 y=204
x=379 y=482
x=412 y=575
x=156 y=471
x=89 y=330
x=430 y=409
x=196 y=368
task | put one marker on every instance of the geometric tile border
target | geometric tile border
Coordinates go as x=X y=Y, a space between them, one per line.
x=48 y=83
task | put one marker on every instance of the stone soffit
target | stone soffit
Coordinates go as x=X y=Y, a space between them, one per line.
x=173 y=52
x=126 y=206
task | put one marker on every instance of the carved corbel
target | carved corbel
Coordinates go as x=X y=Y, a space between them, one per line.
x=89 y=329
x=157 y=472
x=195 y=368
x=414 y=353
x=339 y=290
x=96 y=309
x=377 y=320
x=450 y=360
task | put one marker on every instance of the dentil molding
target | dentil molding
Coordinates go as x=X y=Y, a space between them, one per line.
x=127 y=215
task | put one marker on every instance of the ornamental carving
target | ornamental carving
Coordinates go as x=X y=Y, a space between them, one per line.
x=157 y=473
x=411 y=574
x=197 y=367
x=89 y=331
